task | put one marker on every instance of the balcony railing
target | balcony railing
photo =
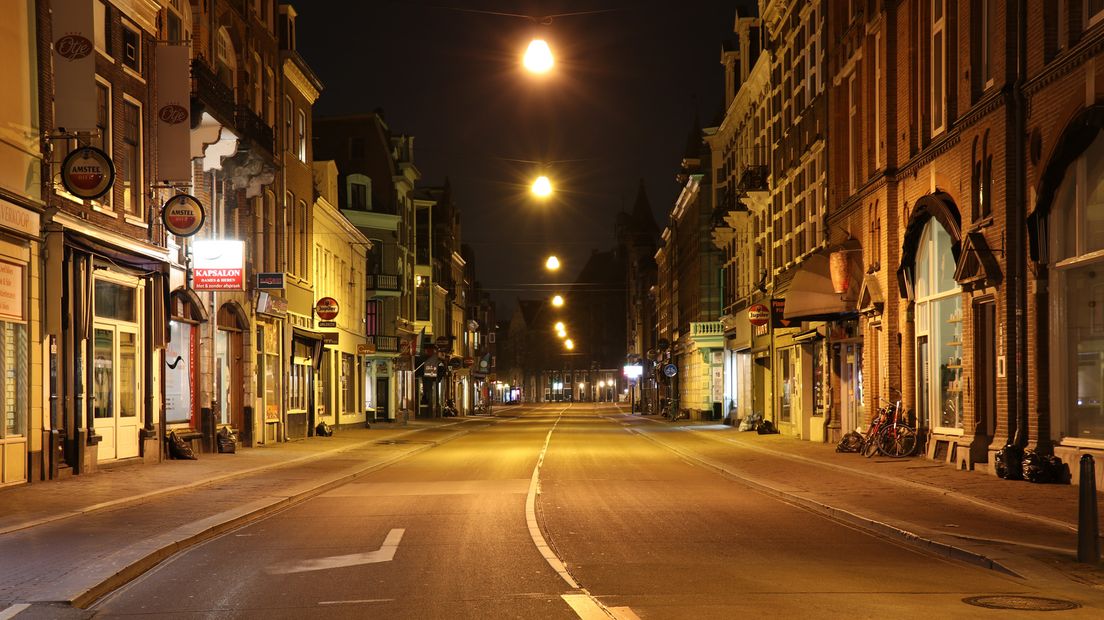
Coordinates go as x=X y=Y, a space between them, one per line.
x=212 y=92
x=254 y=128
x=383 y=285
x=385 y=344
x=753 y=178
x=709 y=328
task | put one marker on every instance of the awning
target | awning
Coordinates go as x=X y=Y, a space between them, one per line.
x=308 y=334
x=811 y=295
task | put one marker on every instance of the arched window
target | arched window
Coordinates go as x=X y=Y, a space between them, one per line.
x=938 y=331
x=226 y=60
x=1077 y=298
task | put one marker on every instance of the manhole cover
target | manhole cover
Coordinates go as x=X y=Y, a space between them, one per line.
x=1021 y=603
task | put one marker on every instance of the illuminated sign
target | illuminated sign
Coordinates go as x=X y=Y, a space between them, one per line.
x=633 y=371
x=326 y=308
x=182 y=215
x=218 y=265
x=87 y=173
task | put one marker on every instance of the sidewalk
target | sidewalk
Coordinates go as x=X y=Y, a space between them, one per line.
x=93 y=533
x=1023 y=529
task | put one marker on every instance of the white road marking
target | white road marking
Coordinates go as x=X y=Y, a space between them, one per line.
x=582 y=603
x=623 y=613
x=357 y=601
x=385 y=553
x=13 y=611
x=585 y=607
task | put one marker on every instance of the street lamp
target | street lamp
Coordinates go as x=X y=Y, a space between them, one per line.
x=538 y=57
x=569 y=343
x=560 y=326
x=552 y=263
x=558 y=301
x=542 y=187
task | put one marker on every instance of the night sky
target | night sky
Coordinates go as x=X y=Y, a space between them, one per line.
x=628 y=83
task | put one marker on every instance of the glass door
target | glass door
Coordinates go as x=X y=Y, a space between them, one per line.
x=115 y=390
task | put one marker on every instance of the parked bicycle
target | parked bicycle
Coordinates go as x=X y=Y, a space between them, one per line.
x=890 y=434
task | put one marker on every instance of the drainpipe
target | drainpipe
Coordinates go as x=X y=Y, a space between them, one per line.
x=1014 y=242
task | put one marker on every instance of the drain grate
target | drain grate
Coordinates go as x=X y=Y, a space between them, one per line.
x=1020 y=603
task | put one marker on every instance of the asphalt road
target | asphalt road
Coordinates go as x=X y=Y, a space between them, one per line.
x=621 y=527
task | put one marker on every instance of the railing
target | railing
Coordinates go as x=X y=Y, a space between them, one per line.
x=383 y=282
x=385 y=344
x=211 y=91
x=710 y=328
x=254 y=128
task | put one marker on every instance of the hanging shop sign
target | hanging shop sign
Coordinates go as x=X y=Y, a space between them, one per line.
x=270 y=280
x=366 y=348
x=469 y=362
x=778 y=307
x=758 y=315
x=326 y=308
x=839 y=270
x=218 y=265
x=87 y=173
x=455 y=363
x=182 y=215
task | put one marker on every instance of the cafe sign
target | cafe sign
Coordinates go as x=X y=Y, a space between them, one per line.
x=87 y=173
x=182 y=215
x=758 y=314
x=326 y=308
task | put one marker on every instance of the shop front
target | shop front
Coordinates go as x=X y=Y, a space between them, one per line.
x=306 y=357
x=186 y=320
x=269 y=343
x=19 y=327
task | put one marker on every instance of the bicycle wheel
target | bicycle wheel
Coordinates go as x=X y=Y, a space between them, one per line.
x=870 y=444
x=897 y=441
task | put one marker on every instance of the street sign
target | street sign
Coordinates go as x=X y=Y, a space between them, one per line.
x=270 y=280
x=670 y=370
x=469 y=362
x=327 y=323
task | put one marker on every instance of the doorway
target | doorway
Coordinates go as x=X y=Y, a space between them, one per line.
x=985 y=378
x=852 y=411
x=229 y=381
x=115 y=389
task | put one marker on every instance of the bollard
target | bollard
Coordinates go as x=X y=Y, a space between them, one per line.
x=1088 y=525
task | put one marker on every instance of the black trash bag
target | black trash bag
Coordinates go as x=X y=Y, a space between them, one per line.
x=1009 y=462
x=1043 y=468
x=766 y=427
x=323 y=429
x=180 y=449
x=851 y=442
x=227 y=441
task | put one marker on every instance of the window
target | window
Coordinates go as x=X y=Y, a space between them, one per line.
x=356 y=147
x=301 y=136
x=1094 y=11
x=130 y=160
x=348 y=384
x=257 y=96
x=304 y=239
x=103 y=118
x=293 y=233
x=288 y=115
x=987 y=32
x=1077 y=296
x=115 y=301
x=101 y=18
x=938 y=67
x=853 y=120
x=877 y=98
x=226 y=62
x=14 y=356
x=270 y=97
x=132 y=48
x=938 y=331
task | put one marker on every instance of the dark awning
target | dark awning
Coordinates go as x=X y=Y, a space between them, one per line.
x=811 y=295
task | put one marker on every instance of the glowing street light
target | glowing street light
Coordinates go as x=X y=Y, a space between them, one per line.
x=569 y=343
x=557 y=301
x=552 y=263
x=560 y=326
x=542 y=187
x=538 y=57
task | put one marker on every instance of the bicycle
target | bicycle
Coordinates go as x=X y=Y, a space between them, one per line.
x=896 y=438
x=869 y=445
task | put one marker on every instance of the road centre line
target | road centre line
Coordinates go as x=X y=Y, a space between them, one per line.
x=583 y=603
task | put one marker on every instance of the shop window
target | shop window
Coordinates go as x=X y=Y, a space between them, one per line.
x=13 y=378
x=348 y=384
x=1077 y=294
x=787 y=384
x=180 y=373
x=938 y=330
x=130 y=161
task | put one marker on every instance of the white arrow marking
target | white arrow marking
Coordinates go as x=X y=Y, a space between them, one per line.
x=385 y=553
x=13 y=611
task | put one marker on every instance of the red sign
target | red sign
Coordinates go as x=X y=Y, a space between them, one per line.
x=218 y=265
x=469 y=362
x=758 y=315
x=326 y=308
